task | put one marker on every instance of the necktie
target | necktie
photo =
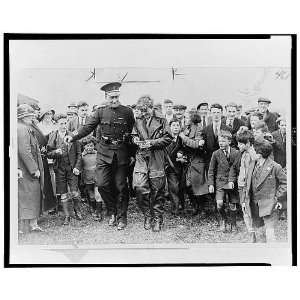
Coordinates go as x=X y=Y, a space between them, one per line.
x=203 y=122
x=82 y=121
x=216 y=129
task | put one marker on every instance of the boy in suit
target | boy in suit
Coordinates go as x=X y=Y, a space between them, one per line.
x=266 y=184
x=66 y=168
x=88 y=163
x=222 y=180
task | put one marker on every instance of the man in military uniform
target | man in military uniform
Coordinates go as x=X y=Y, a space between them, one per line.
x=113 y=152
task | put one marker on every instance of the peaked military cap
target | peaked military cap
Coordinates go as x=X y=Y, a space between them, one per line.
x=111 y=87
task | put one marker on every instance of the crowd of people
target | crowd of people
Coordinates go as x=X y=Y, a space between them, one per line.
x=154 y=153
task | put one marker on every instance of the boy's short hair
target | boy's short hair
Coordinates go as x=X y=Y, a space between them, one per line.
x=261 y=125
x=89 y=139
x=174 y=120
x=244 y=136
x=257 y=114
x=263 y=147
x=202 y=104
x=57 y=117
x=231 y=104
x=216 y=105
x=82 y=103
x=225 y=134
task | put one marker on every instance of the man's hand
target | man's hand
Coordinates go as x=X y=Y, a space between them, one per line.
x=58 y=151
x=135 y=140
x=132 y=161
x=211 y=189
x=145 y=145
x=37 y=174
x=76 y=171
x=20 y=174
x=231 y=185
x=201 y=143
x=68 y=139
x=278 y=206
x=182 y=135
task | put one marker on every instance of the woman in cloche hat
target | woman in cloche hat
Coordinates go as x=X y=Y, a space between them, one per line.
x=31 y=166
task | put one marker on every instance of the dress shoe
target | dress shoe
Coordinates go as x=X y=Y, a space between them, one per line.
x=147 y=223
x=112 y=221
x=67 y=220
x=121 y=225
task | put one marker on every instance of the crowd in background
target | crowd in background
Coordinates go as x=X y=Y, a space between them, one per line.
x=232 y=158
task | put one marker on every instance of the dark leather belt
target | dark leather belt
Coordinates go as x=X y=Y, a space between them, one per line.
x=110 y=141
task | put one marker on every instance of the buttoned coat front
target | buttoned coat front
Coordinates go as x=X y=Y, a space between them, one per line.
x=270 y=186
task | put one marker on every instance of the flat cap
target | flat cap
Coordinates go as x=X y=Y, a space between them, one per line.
x=179 y=106
x=262 y=99
x=73 y=104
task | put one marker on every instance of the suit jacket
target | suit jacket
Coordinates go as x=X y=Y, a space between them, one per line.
x=211 y=142
x=74 y=152
x=271 y=186
x=237 y=123
x=220 y=170
x=270 y=119
x=279 y=148
x=75 y=125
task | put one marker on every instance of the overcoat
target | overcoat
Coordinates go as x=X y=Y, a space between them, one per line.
x=29 y=161
x=279 y=148
x=48 y=200
x=270 y=188
x=157 y=131
x=197 y=169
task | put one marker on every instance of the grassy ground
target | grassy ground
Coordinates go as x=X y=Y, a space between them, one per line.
x=188 y=229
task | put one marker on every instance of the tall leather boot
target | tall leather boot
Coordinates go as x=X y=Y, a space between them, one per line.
x=66 y=209
x=76 y=202
x=99 y=212
x=157 y=204
x=143 y=201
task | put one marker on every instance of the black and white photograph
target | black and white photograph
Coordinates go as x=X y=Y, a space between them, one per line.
x=150 y=149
